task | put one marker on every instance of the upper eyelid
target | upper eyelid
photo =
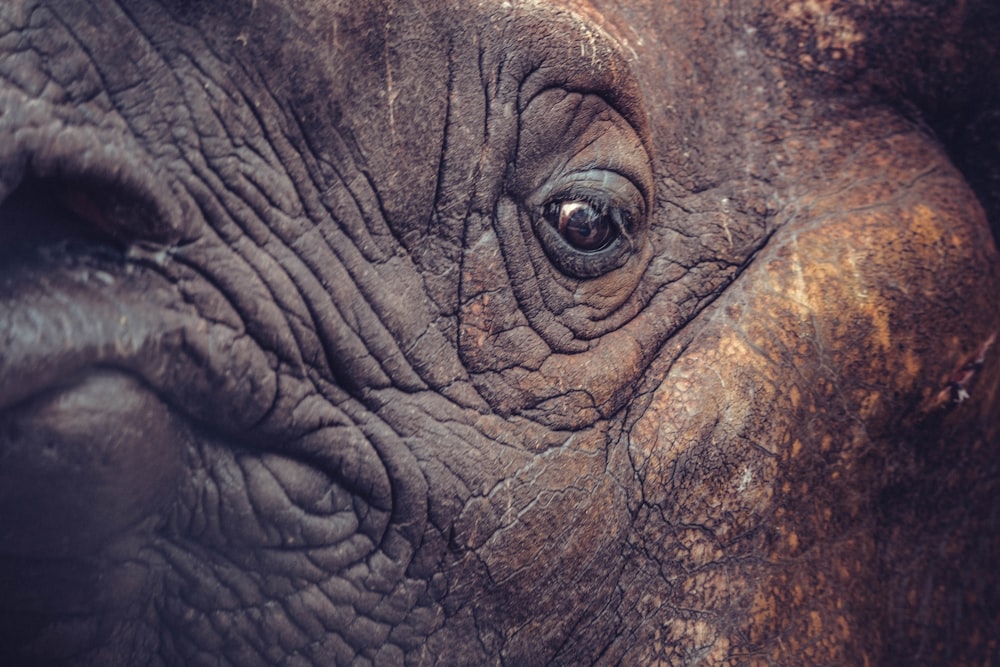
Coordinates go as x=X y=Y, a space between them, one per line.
x=577 y=184
x=600 y=203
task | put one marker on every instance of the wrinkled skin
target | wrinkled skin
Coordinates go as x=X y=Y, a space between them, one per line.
x=296 y=369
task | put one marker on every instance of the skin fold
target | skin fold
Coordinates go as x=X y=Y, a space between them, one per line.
x=499 y=333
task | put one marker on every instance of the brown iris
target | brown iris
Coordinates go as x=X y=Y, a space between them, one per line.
x=583 y=225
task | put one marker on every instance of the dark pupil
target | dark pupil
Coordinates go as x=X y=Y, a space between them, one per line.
x=584 y=226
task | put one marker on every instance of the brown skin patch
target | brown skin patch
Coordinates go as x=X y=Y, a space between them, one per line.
x=803 y=385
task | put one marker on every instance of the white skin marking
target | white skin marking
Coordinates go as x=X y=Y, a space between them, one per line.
x=391 y=93
x=745 y=479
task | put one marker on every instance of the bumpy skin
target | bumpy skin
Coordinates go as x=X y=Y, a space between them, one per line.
x=293 y=370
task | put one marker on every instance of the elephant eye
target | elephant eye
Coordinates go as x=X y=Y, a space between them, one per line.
x=591 y=222
x=585 y=226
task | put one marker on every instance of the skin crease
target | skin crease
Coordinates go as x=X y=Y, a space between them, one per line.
x=291 y=375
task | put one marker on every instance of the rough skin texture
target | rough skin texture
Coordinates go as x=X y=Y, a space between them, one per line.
x=300 y=366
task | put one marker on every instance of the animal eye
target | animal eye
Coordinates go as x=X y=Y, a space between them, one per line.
x=583 y=225
x=589 y=222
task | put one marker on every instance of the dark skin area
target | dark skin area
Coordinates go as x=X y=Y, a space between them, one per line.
x=501 y=333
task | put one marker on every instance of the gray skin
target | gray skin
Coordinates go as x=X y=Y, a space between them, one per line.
x=472 y=333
